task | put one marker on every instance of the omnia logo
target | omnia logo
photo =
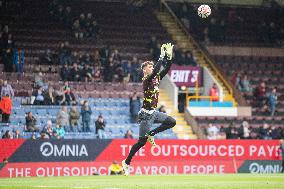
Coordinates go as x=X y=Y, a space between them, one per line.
x=47 y=149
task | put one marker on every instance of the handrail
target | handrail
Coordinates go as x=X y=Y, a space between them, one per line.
x=205 y=52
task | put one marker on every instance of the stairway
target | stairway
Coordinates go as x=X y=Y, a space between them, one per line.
x=186 y=43
x=182 y=129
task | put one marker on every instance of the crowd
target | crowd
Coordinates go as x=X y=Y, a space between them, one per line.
x=226 y=22
x=83 y=26
x=102 y=65
x=244 y=131
x=12 y=58
x=68 y=122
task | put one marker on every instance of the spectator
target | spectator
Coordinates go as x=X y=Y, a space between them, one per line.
x=38 y=96
x=78 y=32
x=75 y=73
x=67 y=17
x=49 y=97
x=265 y=132
x=38 y=80
x=135 y=105
x=87 y=73
x=86 y=113
x=115 y=169
x=69 y=96
x=246 y=130
x=74 y=117
x=213 y=93
x=1 y=85
x=64 y=72
x=116 y=57
x=7 y=135
x=31 y=123
x=236 y=79
x=59 y=131
x=244 y=85
x=17 y=134
x=6 y=108
x=272 y=99
x=44 y=136
x=48 y=130
x=8 y=54
x=63 y=118
x=6 y=89
x=162 y=109
x=47 y=58
x=212 y=132
x=260 y=95
x=100 y=127
x=19 y=60
x=59 y=97
x=129 y=134
x=94 y=29
x=105 y=54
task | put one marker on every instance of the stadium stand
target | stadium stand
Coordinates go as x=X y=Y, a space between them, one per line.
x=37 y=34
x=221 y=29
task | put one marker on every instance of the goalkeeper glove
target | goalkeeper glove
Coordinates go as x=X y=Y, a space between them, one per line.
x=169 y=51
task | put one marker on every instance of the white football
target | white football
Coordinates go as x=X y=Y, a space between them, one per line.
x=204 y=11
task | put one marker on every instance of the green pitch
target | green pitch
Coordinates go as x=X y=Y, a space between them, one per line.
x=228 y=181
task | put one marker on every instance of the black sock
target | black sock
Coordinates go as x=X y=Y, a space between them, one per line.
x=167 y=124
x=141 y=142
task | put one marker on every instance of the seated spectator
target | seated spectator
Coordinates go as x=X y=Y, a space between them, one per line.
x=7 y=89
x=38 y=96
x=6 y=108
x=152 y=44
x=135 y=106
x=47 y=58
x=265 y=132
x=244 y=85
x=67 y=16
x=115 y=169
x=100 y=127
x=260 y=95
x=236 y=78
x=272 y=99
x=116 y=56
x=64 y=72
x=162 y=109
x=31 y=123
x=246 y=130
x=212 y=132
x=64 y=54
x=74 y=73
x=38 y=81
x=59 y=131
x=86 y=113
x=48 y=130
x=87 y=73
x=44 y=136
x=63 y=118
x=17 y=134
x=7 y=135
x=49 y=96
x=69 y=96
x=74 y=117
x=129 y=134
x=213 y=93
x=59 y=97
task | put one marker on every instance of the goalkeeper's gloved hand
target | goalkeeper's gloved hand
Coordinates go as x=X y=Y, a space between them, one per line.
x=163 y=52
x=169 y=51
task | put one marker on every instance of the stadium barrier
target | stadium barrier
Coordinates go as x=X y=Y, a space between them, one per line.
x=28 y=158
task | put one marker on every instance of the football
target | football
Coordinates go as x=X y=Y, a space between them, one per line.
x=204 y=11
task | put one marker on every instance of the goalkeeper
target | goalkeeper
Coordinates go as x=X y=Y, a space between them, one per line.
x=148 y=115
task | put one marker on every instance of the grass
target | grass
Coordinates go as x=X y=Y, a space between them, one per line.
x=228 y=181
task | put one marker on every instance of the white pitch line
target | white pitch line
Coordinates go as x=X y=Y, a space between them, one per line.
x=60 y=187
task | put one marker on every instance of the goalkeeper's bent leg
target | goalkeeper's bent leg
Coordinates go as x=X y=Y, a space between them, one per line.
x=140 y=143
